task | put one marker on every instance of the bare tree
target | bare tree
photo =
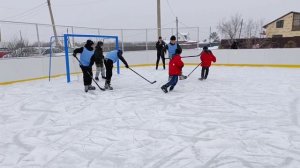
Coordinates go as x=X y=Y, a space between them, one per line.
x=253 y=29
x=16 y=47
x=230 y=29
x=251 y=32
x=214 y=37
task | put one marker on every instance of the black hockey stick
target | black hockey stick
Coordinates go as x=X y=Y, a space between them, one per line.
x=194 y=70
x=91 y=76
x=190 y=56
x=142 y=76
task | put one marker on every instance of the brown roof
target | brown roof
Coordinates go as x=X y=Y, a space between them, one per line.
x=265 y=26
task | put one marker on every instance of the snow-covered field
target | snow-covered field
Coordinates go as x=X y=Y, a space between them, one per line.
x=240 y=117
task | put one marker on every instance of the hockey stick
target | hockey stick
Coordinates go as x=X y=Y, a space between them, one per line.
x=194 y=70
x=142 y=76
x=190 y=56
x=91 y=76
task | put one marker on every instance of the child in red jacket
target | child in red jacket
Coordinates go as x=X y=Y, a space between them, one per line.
x=206 y=58
x=175 y=70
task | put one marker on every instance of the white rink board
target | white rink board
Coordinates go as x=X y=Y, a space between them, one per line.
x=28 y=68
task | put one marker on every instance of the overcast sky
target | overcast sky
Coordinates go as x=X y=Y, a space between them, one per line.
x=142 y=13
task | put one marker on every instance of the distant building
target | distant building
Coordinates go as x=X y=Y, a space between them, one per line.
x=285 y=26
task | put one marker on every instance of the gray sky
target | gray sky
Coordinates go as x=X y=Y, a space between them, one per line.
x=142 y=13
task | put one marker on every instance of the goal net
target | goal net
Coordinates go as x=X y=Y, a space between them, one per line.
x=62 y=47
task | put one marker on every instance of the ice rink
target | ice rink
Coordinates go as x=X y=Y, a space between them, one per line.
x=240 y=117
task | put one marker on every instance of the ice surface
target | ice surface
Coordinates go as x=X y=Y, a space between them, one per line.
x=240 y=117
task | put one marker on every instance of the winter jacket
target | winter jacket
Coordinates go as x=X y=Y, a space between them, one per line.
x=99 y=56
x=172 y=48
x=114 y=56
x=86 y=55
x=206 y=58
x=160 y=48
x=175 y=66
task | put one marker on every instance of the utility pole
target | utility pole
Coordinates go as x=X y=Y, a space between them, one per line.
x=241 y=28
x=177 y=29
x=21 y=38
x=210 y=36
x=158 y=19
x=53 y=23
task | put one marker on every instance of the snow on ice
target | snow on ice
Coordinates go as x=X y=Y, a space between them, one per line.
x=240 y=117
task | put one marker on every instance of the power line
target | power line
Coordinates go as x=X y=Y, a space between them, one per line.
x=30 y=14
x=75 y=4
x=26 y=12
x=173 y=13
x=171 y=8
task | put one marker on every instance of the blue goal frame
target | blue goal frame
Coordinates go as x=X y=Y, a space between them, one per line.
x=66 y=37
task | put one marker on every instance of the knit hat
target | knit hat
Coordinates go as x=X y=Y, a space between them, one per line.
x=178 y=51
x=173 y=38
x=120 y=52
x=89 y=42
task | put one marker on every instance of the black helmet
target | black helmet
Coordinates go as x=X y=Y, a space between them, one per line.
x=205 y=48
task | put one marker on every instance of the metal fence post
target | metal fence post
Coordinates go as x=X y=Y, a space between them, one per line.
x=73 y=40
x=38 y=38
x=122 y=35
x=198 y=38
x=99 y=32
x=146 y=39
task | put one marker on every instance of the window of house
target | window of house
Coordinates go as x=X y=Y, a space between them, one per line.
x=296 y=22
x=279 y=24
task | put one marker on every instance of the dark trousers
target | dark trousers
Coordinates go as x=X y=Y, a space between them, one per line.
x=109 y=67
x=204 y=72
x=87 y=75
x=172 y=82
x=162 y=56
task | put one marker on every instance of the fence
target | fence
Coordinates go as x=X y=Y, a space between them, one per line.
x=20 y=34
x=280 y=42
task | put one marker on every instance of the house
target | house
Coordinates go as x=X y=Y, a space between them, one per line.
x=287 y=25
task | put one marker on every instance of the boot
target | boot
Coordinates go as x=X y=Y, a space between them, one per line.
x=103 y=77
x=90 y=87
x=164 y=88
x=182 y=77
x=107 y=86
x=86 y=88
x=171 y=88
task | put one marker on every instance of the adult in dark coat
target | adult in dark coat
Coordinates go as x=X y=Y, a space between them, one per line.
x=160 y=45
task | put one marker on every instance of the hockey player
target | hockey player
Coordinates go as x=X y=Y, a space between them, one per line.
x=160 y=45
x=110 y=58
x=206 y=58
x=175 y=70
x=171 y=48
x=87 y=60
x=99 y=59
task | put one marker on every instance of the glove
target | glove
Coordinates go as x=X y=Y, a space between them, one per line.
x=74 y=55
x=127 y=66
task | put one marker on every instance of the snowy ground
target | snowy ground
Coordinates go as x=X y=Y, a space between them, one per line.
x=238 y=118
